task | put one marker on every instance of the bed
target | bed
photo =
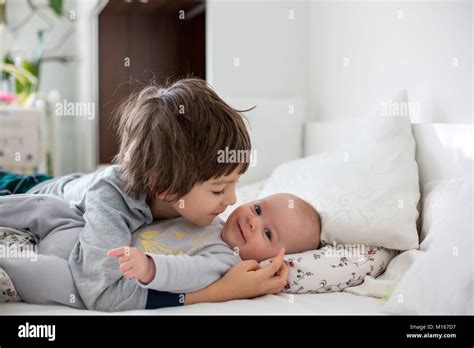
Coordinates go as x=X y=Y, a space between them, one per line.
x=436 y=144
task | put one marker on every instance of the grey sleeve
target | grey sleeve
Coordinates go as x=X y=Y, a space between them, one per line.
x=109 y=217
x=186 y=273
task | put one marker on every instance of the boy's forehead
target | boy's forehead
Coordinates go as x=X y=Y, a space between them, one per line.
x=226 y=179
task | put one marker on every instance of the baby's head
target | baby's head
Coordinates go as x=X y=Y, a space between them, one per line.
x=259 y=229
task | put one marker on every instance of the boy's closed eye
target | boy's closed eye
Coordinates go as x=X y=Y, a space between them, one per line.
x=220 y=190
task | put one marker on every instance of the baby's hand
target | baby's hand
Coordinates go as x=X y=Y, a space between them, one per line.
x=134 y=263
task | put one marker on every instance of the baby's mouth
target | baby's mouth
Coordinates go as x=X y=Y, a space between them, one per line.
x=241 y=232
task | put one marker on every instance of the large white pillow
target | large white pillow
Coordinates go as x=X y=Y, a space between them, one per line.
x=366 y=190
x=440 y=281
x=434 y=194
x=276 y=131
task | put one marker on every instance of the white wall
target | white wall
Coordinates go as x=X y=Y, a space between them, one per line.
x=386 y=54
x=388 y=51
x=270 y=42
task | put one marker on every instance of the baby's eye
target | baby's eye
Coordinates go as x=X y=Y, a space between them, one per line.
x=218 y=193
x=268 y=233
x=257 y=208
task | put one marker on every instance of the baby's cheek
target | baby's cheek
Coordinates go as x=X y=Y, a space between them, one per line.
x=254 y=252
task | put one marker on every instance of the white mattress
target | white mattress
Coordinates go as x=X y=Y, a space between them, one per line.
x=305 y=304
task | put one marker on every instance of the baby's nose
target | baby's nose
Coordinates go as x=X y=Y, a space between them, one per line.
x=252 y=223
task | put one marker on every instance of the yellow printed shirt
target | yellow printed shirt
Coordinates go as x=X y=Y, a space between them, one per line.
x=187 y=257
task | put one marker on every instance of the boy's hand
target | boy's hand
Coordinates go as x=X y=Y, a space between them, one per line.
x=245 y=280
x=134 y=263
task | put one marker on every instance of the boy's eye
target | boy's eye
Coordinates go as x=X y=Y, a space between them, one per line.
x=257 y=208
x=268 y=233
x=218 y=193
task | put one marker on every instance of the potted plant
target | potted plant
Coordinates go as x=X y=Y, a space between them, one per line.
x=23 y=74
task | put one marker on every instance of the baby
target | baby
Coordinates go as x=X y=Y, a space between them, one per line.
x=182 y=257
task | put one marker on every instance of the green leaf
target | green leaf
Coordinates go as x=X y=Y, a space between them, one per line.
x=56 y=6
x=40 y=35
x=8 y=60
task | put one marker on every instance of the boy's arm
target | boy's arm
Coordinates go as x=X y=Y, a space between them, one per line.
x=109 y=219
x=245 y=280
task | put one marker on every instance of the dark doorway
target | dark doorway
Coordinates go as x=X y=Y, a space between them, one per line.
x=143 y=40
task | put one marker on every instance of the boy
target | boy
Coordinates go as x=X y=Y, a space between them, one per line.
x=169 y=141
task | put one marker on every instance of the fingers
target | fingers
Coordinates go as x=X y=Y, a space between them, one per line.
x=274 y=275
x=124 y=267
x=124 y=250
x=250 y=265
x=129 y=274
x=282 y=277
x=278 y=282
x=283 y=273
x=272 y=268
x=123 y=259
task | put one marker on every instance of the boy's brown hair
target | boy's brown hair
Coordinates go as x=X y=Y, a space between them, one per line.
x=170 y=137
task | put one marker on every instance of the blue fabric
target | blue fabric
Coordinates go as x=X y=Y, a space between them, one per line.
x=11 y=183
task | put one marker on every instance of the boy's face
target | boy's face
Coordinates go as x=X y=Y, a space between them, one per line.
x=259 y=229
x=206 y=200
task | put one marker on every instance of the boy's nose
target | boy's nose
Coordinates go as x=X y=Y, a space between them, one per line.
x=231 y=198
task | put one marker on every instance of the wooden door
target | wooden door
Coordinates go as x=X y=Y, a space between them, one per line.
x=141 y=40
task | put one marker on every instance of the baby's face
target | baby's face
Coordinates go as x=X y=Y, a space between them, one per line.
x=259 y=229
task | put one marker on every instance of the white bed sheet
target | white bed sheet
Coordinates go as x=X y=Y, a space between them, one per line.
x=305 y=304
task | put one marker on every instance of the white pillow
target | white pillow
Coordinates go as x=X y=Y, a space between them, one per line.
x=366 y=190
x=441 y=279
x=434 y=193
x=276 y=131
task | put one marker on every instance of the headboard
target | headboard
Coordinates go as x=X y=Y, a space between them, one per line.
x=443 y=151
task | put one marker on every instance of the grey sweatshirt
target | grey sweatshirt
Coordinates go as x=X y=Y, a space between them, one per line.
x=110 y=217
